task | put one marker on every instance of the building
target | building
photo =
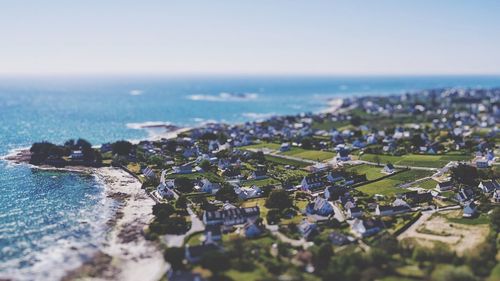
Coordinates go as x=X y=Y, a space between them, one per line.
x=231 y=216
x=488 y=186
x=444 y=186
x=365 y=228
x=285 y=147
x=183 y=169
x=354 y=212
x=311 y=182
x=470 y=210
x=320 y=206
x=307 y=229
x=391 y=210
x=389 y=168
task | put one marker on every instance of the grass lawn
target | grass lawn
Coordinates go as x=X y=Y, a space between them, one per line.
x=389 y=186
x=316 y=155
x=263 y=182
x=134 y=168
x=417 y=160
x=208 y=175
x=495 y=273
x=268 y=145
x=257 y=202
x=385 y=187
x=194 y=240
x=456 y=217
x=371 y=172
x=283 y=161
x=427 y=184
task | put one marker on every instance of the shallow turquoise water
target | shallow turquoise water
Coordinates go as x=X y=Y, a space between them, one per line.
x=44 y=216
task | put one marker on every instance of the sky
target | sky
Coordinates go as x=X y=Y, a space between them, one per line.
x=309 y=37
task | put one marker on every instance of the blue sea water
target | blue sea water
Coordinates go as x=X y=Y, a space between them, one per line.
x=45 y=216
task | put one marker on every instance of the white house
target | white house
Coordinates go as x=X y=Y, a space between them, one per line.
x=320 y=206
x=164 y=190
x=285 y=147
x=469 y=210
x=390 y=210
x=206 y=186
x=312 y=182
x=444 y=186
x=488 y=186
x=365 y=228
x=354 y=212
x=248 y=192
x=389 y=168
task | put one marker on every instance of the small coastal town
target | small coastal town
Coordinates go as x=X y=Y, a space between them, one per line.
x=398 y=187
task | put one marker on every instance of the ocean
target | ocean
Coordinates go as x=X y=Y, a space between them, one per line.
x=51 y=221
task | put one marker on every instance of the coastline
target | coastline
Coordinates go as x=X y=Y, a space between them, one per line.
x=125 y=254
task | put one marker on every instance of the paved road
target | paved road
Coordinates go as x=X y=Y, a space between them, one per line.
x=196 y=224
x=283 y=238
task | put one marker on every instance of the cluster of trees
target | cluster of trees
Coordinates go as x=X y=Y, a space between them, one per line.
x=280 y=204
x=167 y=220
x=42 y=151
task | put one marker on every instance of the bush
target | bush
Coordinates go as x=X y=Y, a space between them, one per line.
x=279 y=199
x=273 y=216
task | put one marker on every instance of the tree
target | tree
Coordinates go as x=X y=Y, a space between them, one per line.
x=163 y=211
x=279 y=199
x=174 y=256
x=495 y=219
x=215 y=261
x=273 y=216
x=307 y=143
x=184 y=185
x=156 y=160
x=464 y=174
x=323 y=256
x=171 y=146
x=355 y=120
x=205 y=165
x=181 y=202
x=122 y=147
x=226 y=193
x=452 y=273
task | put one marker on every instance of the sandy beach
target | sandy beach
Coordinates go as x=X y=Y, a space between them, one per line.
x=126 y=254
x=333 y=105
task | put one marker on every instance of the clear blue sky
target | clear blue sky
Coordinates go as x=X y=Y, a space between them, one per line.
x=250 y=37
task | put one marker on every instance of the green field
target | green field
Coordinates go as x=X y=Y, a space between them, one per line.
x=263 y=182
x=268 y=145
x=427 y=184
x=283 y=161
x=385 y=187
x=371 y=172
x=315 y=155
x=430 y=161
x=389 y=186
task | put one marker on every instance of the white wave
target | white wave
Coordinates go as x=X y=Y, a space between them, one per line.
x=143 y=125
x=225 y=97
x=258 y=116
x=136 y=92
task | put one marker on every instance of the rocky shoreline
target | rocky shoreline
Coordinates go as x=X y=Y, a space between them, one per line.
x=125 y=254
